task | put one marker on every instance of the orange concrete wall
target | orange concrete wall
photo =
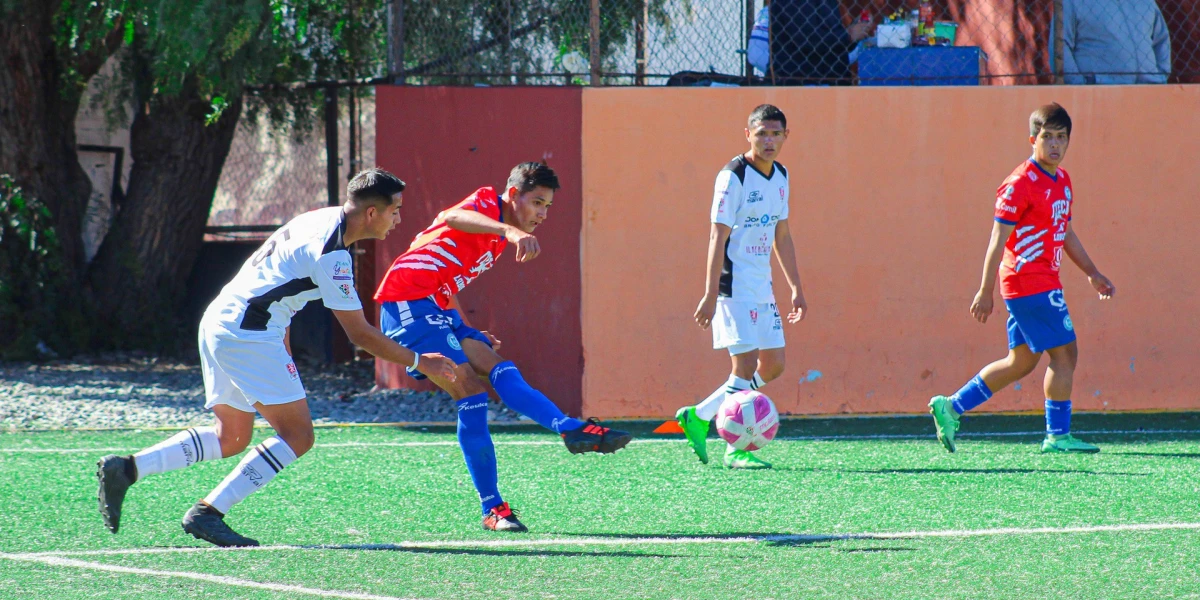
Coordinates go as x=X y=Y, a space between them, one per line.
x=892 y=194
x=447 y=142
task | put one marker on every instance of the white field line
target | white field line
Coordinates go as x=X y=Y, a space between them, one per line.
x=59 y=561
x=635 y=541
x=803 y=438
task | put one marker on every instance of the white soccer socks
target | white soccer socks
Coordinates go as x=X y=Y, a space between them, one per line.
x=707 y=409
x=183 y=449
x=257 y=468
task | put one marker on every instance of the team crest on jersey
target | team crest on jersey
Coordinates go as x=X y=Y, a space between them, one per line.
x=453 y=341
x=755 y=196
x=781 y=193
x=1068 y=193
x=292 y=372
x=754 y=316
x=1067 y=324
x=345 y=289
x=1032 y=176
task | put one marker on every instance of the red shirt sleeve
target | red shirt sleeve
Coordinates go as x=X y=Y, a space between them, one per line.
x=1012 y=200
x=483 y=201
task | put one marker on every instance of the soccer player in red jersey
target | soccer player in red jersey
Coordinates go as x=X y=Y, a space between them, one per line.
x=419 y=311
x=1031 y=232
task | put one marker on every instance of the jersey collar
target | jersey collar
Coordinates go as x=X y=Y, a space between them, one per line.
x=1039 y=167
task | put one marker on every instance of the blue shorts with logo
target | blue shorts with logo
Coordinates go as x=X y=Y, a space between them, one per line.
x=1040 y=320
x=423 y=327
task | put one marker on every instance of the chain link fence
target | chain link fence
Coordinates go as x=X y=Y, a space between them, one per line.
x=274 y=173
x=800 y=42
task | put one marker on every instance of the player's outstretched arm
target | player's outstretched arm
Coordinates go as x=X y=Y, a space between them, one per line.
x=469 y=221
x=982 y=306
x=718 y=235
x=363 y=335
x=785 y=253
x=1074 y=249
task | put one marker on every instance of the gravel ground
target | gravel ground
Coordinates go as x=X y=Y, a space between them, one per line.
x=129 y=390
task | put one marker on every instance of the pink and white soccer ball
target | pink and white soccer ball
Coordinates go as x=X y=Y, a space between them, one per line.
x=747 y=420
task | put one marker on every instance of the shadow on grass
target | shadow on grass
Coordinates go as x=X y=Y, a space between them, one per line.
x=962 y=471
x=1158 y=454
x=489 y=551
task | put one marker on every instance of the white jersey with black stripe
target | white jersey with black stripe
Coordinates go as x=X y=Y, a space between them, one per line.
x=302 y=261
x=752 y=204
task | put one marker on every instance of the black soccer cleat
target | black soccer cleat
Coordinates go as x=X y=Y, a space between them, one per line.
x=116 y=474
x=593 y=437
x=207 y=523
x=503 y=518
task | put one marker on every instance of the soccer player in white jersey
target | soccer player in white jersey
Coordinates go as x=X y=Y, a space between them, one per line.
x=246 y=359
x=749 y=223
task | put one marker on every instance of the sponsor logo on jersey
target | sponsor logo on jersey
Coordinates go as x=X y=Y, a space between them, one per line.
x=453 y=341
x=1059 y=210
x=292 y=372
x=1067 y=324
x=1068 y=192
x=345 y=289
x=1032 y=176
x=755 y=196
x=341 y=267
x=342 y=277
x=484 y=263
x=762 y=248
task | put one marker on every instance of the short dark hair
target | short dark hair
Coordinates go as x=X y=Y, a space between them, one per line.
x=529 y=175
x=374 y=185
x=1052 y=115
x=766 y=112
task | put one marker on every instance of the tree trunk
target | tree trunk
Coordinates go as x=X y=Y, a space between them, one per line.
x=139 y=273
x=37 y=118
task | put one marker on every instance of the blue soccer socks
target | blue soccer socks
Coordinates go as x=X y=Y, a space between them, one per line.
x=974 y=393
x=519 y=396
x=477 y=448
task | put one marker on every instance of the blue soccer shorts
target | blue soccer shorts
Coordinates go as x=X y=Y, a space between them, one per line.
x=423 y=327
x=1040 y=320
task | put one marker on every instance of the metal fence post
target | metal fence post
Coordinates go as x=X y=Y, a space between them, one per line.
x=1058 y=42
x=331 y=144
x=639 y=31
x=594 y=41
x=395 y=50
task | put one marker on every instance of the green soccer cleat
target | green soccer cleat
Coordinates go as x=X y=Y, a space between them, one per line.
x=743 y=459
x=945 y=419
x=1067 y=443
x=696 y=430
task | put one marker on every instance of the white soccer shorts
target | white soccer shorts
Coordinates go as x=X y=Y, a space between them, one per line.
x=239 y=373
x=741 y=326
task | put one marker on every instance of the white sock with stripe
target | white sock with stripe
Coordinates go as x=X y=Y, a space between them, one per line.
x=707 y=409
x=257 y=469
x=757 y=382
x=183 y=449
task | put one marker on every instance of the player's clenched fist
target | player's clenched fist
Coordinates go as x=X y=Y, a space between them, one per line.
x=436 y=365
x=526 y=244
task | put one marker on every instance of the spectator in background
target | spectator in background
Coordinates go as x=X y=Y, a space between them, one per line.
x=809 y=43
x=1115 y=41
